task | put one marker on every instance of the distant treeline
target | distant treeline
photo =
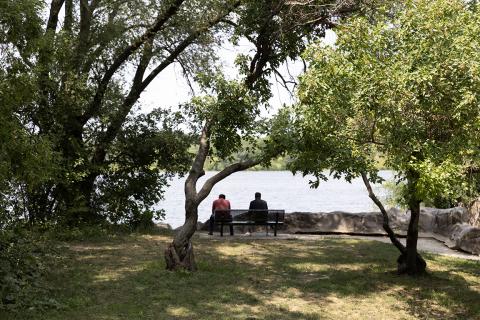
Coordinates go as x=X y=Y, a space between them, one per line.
x=278 y=164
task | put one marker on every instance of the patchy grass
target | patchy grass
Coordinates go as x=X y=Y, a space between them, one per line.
x=125 y=278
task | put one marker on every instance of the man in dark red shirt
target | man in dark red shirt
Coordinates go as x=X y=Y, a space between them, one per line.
x=220 y=204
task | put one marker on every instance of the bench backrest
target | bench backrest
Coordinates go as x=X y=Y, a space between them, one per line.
x=260 y=215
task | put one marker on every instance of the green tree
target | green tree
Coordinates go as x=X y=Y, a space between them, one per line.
x=86 y=68
x=87 y=63
x=405 y=84
x=278 y=30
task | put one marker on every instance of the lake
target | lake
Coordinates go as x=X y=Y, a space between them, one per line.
x=281 y=190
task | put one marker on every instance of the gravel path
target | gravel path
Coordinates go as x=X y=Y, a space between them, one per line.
x=424 y=244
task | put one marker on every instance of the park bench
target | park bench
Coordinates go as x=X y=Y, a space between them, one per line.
x=244 y=217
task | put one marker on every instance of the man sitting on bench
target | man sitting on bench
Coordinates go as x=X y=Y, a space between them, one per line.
x=257 y=205
x=220 y=204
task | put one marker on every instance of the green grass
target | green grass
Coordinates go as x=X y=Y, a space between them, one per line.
x=125 y=278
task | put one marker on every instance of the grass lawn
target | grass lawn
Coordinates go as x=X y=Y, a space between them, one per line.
x=125 y=278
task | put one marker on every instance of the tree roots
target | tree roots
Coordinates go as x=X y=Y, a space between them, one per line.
x=418 y=269
x=185 y=260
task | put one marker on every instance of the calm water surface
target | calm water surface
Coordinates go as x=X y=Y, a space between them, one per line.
x=280 y=189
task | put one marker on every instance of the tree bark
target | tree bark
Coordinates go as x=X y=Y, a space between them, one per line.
x=55 y=7
x=179 y=254
x=414 y=263
x=68 y=20
x=386 y=223
x=409 y=261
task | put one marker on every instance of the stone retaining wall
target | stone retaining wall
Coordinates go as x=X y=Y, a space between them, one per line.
x=448 y=225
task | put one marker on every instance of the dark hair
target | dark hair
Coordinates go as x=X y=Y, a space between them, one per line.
x=258 y=195
x=222 y=196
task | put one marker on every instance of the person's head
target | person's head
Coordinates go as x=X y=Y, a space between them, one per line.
x=222 y=196
x=258 y=195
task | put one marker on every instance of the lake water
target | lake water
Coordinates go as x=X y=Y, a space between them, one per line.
x=281 y=190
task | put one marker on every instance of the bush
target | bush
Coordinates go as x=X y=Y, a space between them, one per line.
x=23 y=271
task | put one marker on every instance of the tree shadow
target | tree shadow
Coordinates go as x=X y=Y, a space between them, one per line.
x=253 y=280
x=361 y=268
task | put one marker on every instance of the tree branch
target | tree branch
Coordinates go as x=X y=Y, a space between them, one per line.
x=210 y=183
x=386 y=224
x=139 y=86
x=184 y=44
x=284 y=83
x=118 y=119
x=52 y=21
x=86 y=14
x=196 y=170
x=68 y=21
x=234 y=24
x=122 y=57
x=263 y=44
x=104 y=41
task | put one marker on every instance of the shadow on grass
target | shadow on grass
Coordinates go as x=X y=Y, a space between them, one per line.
x=256 y=280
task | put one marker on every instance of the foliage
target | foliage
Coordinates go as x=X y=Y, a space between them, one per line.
x=73 y=72
x=148 y=150
x=405 y=85
x=70 y=76
x=278 y=30
x=27 y=160
x=277 y=164
x=231 y=111
x=23 y=270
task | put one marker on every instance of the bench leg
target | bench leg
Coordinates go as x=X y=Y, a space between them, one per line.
x=266 y=228
x=231 y=229
x=221 y=230
x=275 y=230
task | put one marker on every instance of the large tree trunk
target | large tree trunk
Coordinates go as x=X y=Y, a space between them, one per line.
x=39 y=203
x=411 y=262
x=179 y=254
x=77 y=202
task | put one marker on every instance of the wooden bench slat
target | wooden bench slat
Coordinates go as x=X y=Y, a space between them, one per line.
x=234 y=217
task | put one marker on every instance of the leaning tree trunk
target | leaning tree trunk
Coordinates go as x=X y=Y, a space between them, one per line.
x=409 y=261
x=179 y=254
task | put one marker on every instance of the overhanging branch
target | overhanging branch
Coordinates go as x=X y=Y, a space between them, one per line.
x=210 y=183
x=184 y=44
x=122 y=57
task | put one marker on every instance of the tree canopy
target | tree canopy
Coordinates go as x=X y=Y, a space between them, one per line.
x=73 y=73
x=406 y=86
x=403 y=83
